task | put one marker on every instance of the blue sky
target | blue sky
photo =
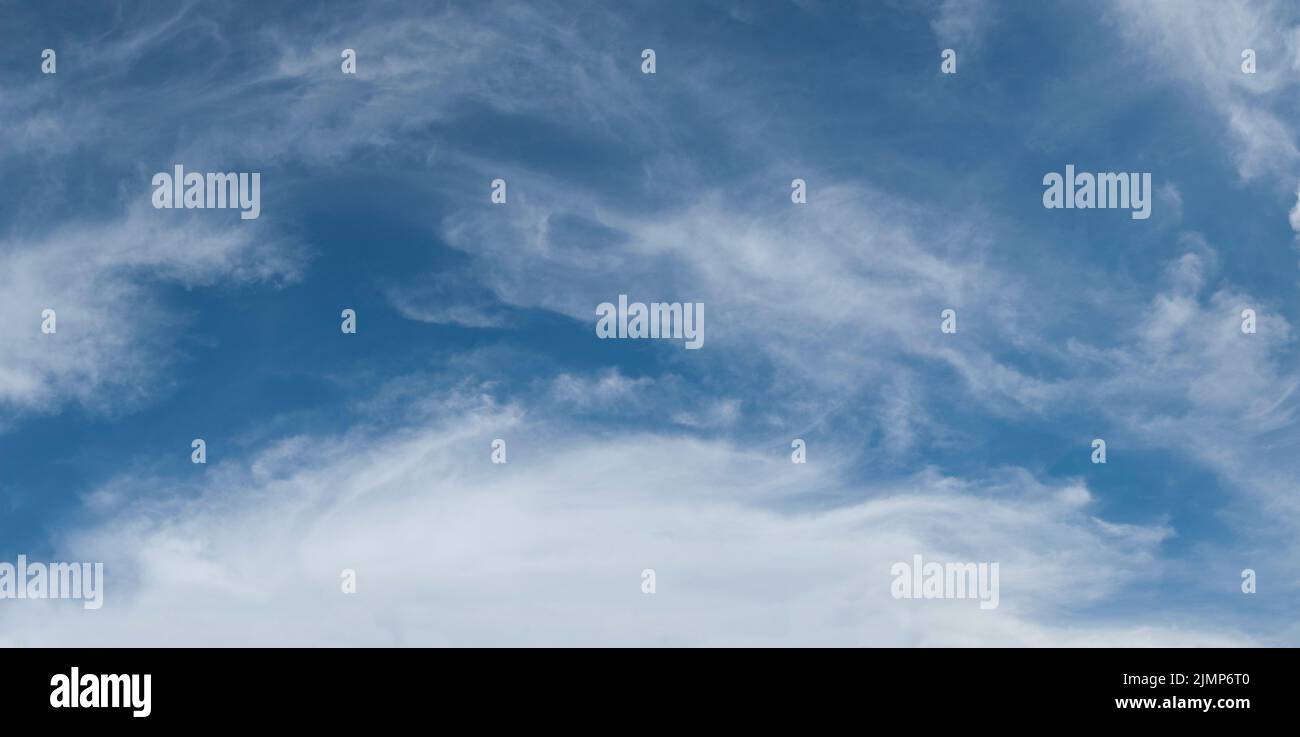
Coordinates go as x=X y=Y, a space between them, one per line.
x=476 y=321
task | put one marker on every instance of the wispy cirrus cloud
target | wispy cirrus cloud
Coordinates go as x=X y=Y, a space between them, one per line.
x=113 y=344
x=1201 y=44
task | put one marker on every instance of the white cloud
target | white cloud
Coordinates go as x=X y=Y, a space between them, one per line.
x=1201 y=41
x=1183 y=376
x=1294 y=216
x=549 y=548
x=839 y=293
x=113 y=342
x=447 y=297
x=961 y=24
x=717 y=413
x=611 y=389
